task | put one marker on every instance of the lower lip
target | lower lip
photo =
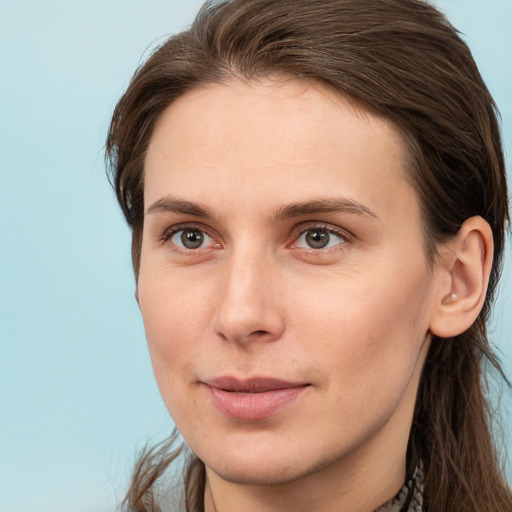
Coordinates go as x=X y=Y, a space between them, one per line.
x=254 y=406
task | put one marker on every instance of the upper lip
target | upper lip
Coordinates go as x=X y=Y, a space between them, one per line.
x=252 y=385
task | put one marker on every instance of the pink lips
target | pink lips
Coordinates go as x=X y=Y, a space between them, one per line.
x=253 y=399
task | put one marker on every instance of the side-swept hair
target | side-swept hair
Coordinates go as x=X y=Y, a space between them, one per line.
x=402 y=59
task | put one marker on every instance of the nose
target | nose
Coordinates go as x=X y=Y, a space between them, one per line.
x=248 y=306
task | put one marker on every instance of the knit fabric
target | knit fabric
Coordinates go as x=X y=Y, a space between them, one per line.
x=409 y=498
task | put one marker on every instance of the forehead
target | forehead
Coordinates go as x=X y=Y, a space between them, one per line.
x=268 y=140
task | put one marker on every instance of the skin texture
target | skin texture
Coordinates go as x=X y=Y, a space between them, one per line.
x=351 y=320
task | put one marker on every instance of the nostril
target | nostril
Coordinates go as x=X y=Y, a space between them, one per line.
x=259 y=333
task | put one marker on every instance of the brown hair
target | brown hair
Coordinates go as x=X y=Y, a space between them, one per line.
x=404 y=60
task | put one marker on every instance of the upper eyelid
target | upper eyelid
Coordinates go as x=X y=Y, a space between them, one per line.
x=176 y=228
x=304 y=227
x=171 y=231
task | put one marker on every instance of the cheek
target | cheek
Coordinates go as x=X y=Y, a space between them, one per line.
x=174 y=323
x=368 y=332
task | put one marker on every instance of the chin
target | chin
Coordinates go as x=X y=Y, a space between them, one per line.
x=271 y=466
x=266 y=474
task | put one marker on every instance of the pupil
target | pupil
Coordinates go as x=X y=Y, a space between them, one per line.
x=192 y=239
x=317 y=239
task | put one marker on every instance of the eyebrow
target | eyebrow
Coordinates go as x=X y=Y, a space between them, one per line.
x=323 y=205
x=174 y=205
x=317 y=206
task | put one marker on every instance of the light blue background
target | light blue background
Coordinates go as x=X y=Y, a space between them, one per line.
x=77 y=395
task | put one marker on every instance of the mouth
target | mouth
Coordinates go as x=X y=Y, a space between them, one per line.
x=253 y=399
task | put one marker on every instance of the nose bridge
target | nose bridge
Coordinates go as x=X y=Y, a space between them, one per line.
x=246 y=306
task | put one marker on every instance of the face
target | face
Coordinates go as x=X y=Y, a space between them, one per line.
x=283 y=283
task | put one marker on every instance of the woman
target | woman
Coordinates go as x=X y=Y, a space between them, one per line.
x=318 y=202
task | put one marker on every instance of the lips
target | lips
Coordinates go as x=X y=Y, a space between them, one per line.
x=253 y=399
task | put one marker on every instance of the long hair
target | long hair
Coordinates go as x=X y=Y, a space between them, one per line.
x=402 y=59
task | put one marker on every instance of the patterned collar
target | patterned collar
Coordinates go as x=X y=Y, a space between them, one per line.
x=410 y=496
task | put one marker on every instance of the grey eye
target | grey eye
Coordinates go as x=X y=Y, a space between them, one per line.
x=317 y=238
x=189 y=238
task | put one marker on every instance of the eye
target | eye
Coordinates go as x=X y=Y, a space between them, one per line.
x=319 y=238
x=190 y=239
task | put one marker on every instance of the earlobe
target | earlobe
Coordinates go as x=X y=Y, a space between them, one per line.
x=464 y=264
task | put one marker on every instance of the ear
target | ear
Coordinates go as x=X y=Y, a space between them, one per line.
x=463 y=267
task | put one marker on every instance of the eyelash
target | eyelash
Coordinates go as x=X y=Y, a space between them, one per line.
x=173 y=230
x=342 y=234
